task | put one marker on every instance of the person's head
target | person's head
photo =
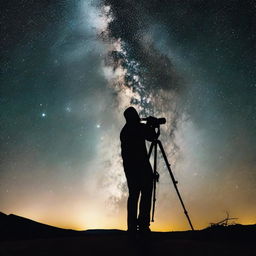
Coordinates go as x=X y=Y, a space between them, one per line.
x=131 y=115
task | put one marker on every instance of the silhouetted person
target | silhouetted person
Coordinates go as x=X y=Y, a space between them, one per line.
x=137 y=168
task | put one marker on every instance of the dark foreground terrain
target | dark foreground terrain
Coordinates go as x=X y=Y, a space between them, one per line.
x=20 y=236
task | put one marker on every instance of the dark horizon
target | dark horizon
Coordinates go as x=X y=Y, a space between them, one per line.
x=20 y=236
x=27 y=220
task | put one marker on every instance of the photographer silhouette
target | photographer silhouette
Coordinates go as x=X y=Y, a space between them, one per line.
x=137 y=168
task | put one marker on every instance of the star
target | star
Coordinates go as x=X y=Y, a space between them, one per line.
x=68 y=109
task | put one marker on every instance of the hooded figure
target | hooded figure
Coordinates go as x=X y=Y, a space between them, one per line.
x=137 y=168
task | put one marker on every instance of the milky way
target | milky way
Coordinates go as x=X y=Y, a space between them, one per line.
x=70 y=68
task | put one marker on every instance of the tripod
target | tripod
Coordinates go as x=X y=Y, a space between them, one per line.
x=154 y=145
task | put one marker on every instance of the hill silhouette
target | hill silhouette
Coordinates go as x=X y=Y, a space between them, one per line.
x=17 y=227
x=22 y=236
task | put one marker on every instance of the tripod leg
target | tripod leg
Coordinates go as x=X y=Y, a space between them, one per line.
x=174 y=182
x=153 y=145
x=150 y=149
x=154 y=182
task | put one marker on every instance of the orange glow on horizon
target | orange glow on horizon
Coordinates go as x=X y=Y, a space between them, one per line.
x=80 y=225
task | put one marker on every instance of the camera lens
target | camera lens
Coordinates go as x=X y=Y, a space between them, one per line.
x=161 y=120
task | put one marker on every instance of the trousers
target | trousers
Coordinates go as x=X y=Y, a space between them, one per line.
x=139 y=186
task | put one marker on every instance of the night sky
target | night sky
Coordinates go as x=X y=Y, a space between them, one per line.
x=70 y=68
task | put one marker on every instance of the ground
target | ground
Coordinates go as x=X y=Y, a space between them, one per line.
x=120 y=244
x=21 y=236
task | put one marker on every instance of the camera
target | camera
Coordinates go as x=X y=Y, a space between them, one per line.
x=153 y=121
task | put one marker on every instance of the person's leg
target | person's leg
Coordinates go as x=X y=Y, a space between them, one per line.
x=132 y=205
x=145 y=203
